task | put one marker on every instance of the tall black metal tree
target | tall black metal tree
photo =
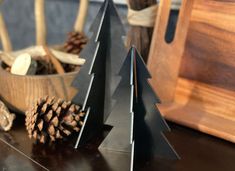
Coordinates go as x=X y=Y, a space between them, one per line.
x=116 y=53
x=98 y=78
x=90 y=80
x=90 y=51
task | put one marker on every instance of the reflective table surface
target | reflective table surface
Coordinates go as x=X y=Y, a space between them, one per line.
x=198 y=151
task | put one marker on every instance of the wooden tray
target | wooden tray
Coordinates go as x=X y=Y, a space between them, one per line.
x=197 y=83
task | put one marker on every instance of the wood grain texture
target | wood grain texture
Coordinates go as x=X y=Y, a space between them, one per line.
x=202 y=94
x=210 y=99
x=165 y=59
x=20 y=92
x=200 y=120
x=210 y=48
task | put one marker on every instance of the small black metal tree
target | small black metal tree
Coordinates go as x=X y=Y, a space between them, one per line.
x=149 y=124
x=119 y=139
x=136 y=98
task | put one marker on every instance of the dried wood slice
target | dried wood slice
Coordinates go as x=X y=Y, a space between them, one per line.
x=24 y=65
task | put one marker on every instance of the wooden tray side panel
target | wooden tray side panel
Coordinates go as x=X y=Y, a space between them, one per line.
x=209 y=55
x=209 y=99
x=204 y=96
x=164 y=59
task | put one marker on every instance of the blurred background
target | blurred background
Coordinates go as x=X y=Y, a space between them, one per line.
x=60 y=18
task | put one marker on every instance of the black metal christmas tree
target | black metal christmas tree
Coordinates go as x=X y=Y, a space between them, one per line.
x=119 y=139
x=98 y=78
x=90 y=51
x=147 y=125
x=116 y=53
x=90 y=81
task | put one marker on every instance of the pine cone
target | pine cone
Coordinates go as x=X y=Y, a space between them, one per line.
x=6 y=118
x=52 y=119
x=75 y=42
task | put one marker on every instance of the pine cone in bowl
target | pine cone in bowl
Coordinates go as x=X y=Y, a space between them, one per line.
x=75 y=42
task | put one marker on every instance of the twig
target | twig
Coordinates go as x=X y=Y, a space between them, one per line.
x=81 y=16
x=6 y=43
x=40 y=22
x=54 y=61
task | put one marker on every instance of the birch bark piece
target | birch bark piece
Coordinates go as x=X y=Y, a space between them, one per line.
x=24 y=65
x=66 y=58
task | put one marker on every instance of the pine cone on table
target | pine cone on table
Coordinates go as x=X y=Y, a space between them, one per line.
x=6 y=118
x=52 y=119
x=75 y=42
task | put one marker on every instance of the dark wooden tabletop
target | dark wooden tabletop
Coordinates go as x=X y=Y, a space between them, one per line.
x=198 y=152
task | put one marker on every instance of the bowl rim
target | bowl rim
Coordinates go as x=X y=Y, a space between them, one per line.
x=36 y=76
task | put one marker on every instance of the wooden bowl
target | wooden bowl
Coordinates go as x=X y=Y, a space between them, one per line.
x=20 y=92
